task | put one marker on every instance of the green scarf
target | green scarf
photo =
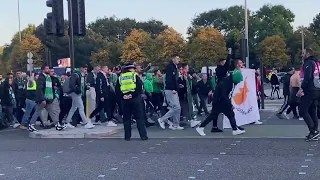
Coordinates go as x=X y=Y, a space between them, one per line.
x=12 y=97
x=83 y=84
x=48 y=93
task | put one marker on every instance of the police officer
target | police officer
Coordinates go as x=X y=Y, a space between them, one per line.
x=129 y=87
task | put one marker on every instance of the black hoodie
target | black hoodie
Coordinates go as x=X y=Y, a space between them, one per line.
x=221 y=95
x=308 y=69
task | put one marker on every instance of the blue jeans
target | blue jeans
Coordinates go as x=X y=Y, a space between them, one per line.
x=29 y=107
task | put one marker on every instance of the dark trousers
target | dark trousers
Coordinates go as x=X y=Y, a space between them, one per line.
x=216 y=110
x=65 y=106
x=284 y=105
x=293 y=108
x=203 y=103
x=101 y=105
x=133 y=107
x=157 y=99
x=275 y=88
x=18 y=113
x=149 y=105
x=308 y=109
x=8 y=115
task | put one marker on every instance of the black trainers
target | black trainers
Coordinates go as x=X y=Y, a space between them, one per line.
x=312 y=136
x=31 y=128
x=60 y=128
x=240 y=128
x=216 y=130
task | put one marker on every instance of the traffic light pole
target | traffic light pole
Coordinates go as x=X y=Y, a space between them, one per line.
x=71 y=36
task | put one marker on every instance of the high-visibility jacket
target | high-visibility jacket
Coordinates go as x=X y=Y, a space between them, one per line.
x=31 y=85
x=127 y=82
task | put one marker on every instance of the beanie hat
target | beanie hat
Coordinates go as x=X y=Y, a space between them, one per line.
x=237 y=76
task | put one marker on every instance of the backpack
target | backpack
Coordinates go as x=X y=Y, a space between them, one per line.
x=66 y=86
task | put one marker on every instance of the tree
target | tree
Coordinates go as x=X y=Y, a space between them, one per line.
x=206 y=46
x=134 y=46
x=273 y=52
x=100 y=57
x=315 y=25
x=273 y=20
x=233 y=41
x=167 y=44
x=30 y=43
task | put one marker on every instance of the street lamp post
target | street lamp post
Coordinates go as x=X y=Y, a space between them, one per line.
x=302 y=42
x=246 y=31
x=20 y=36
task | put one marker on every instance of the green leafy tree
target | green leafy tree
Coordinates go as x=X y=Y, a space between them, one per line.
x=273 y=52
x=315 y=25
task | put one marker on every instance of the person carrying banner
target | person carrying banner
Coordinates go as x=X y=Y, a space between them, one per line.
x=222 y=104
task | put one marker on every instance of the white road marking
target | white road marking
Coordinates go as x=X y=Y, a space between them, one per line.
x=309 y=154
x=233 y=144
x=134 y=157
x=304 y=166
x=2 y=174
x=60 y=152
x=143 y=152
x=302 y=173
x=71 y=147
x=151 y=147
x=113 y=169
x=191 y=177
x=90 y=141
x=209 y=164
x=33 y=162
x=311 y=149
x=164 y=141
x=238 y=141
x=308 y=160
x=81 y=144
x=101 y=176
x=200 y=170
x=158 y=144
x=313 y=145
x=216 y=158
x=124 y=163
x=18 y=167
x=222 y=153
x=228 y=148
x=46 y=157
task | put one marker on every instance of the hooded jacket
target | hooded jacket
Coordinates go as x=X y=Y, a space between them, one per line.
x=148 y=87
x=172 y=76
x=308 y=69
x=221 y=96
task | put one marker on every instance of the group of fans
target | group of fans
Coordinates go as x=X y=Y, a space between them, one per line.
x=104 y=95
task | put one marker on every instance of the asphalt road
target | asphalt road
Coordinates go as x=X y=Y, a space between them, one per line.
x=23 y=158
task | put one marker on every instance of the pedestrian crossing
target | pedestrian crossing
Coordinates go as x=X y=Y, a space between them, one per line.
x=272 y=105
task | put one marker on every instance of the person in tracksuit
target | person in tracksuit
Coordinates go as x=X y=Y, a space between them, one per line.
x=221 y=103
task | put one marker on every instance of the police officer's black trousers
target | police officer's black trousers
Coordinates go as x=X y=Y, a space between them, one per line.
x=133 y=107
x=216 y=110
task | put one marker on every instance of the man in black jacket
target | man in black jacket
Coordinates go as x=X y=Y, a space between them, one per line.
x=309 y=94
x=171 y=95
x=45 y=98
x=78 y=88
x=103 y=95
x=286 y=92
x=20 y=92
x=221 y=103
x=204 y=89
x=223 y=67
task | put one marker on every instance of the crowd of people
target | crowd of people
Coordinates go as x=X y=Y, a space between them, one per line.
x=173 y=95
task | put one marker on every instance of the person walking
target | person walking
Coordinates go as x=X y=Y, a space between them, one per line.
x=286 y=92
x=130 y=88
x=171 y=95
x=204 y=89
x=221 y=103
x=310 y=93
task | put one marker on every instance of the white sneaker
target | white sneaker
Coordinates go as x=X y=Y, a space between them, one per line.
x=150 y=121
x=161 y=123
x=69 y=126
x=238 y=132
x=176 y=128
x=89 y=125
x=300 y=118
x=200 y=131
x=111 y=124
x=194 y=123
x=286 y=115
x=16 y=125
x=258 y=122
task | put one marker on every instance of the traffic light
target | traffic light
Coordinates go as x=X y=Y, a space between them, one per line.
x=49 y=26
x=56 y=17
x=78 y=17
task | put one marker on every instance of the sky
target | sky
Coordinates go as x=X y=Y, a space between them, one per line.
x=175 y=13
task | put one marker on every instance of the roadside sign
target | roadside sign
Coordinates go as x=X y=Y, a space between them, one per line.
x=30 y=61
x=30 y=55
x=29 y=67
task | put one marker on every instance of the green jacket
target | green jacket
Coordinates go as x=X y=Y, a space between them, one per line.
x=148 y=87
x=213 y=82
x=157 y=85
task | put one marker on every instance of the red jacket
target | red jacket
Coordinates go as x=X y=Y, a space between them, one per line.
x=258 y=84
